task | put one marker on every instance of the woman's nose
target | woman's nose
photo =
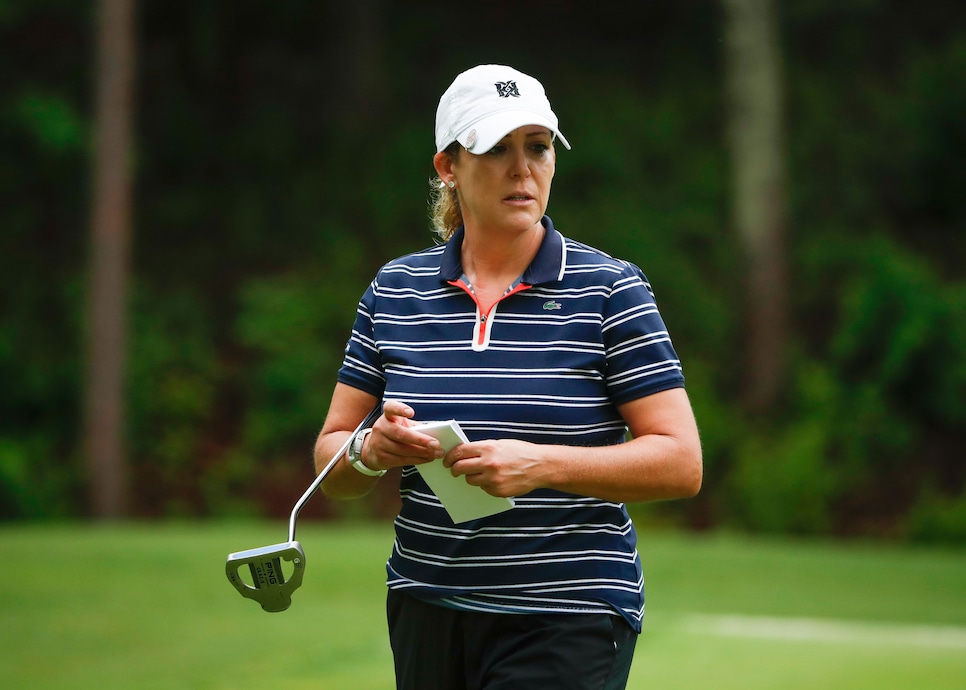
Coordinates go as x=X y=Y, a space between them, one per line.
x=520 y=166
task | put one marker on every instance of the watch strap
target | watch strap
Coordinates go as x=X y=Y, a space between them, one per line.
x=354 y=454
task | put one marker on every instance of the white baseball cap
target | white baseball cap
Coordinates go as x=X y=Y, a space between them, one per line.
x=487 y=102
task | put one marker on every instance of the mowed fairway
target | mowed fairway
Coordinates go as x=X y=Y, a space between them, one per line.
x=149 y=606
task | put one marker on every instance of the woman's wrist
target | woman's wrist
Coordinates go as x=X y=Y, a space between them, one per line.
x=356 y=452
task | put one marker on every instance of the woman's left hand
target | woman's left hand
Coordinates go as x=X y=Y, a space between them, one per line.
x=503 y=468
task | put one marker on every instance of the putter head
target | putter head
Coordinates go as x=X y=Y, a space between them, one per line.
x=271 y=589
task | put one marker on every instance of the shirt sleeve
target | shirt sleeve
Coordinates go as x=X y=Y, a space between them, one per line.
x=362 y=365
x=641 y=359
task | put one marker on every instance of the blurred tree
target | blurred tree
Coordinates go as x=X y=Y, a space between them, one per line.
x=109 y=260
x=357 y=70
x=759 y=208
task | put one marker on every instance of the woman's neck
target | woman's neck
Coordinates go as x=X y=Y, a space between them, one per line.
x=487 y=259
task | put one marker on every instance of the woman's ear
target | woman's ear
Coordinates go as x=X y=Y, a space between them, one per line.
x=443 y=162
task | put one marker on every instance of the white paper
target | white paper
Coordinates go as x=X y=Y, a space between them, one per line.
x=462 y=501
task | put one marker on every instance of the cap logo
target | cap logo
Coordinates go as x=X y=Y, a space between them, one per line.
x=505 y=89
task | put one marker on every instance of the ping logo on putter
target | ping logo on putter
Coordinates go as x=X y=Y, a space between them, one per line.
x=267 y=572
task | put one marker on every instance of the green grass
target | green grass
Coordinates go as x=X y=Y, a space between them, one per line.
x=147 y=606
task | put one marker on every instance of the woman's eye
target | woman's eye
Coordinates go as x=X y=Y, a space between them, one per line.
x=537 y=148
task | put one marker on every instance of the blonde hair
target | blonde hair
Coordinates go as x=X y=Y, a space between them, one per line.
x=444 y=203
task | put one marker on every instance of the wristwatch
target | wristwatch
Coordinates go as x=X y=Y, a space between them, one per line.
x=354 y=453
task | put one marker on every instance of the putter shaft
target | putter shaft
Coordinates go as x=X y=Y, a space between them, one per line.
x=314 y=486
x=271 y=589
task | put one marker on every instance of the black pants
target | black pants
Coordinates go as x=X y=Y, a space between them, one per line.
x=437 y=648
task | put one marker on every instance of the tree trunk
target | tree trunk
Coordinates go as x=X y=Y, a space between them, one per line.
x=109 y=261
x=755 y=131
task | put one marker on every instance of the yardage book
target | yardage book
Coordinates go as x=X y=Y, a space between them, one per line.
x=462 y=501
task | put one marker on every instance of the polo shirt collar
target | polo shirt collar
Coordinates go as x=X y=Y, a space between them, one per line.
x=547 y=266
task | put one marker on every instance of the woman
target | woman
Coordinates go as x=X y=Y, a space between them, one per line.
x=546 y=352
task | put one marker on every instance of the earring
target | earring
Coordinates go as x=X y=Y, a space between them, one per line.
x=451 y=184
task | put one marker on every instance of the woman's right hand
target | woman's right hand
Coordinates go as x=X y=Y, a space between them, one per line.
x=393 y=443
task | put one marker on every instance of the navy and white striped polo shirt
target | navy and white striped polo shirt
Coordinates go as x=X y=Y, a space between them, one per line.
x=576 y=336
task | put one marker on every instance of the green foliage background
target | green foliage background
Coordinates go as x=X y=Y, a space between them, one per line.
x=280 y=161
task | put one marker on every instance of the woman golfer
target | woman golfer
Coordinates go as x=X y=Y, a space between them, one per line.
x=546 y=352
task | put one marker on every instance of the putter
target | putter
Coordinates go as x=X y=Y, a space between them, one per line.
x=272 y=590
